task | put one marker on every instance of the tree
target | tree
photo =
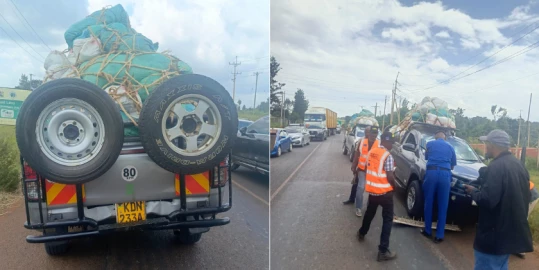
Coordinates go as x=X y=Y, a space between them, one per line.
x=287 y=108
x=239 y=104
x=26 y=84
x=275 y=87
x=263 y=106
x=243 y=108
x=498 y=112
x=300 y=104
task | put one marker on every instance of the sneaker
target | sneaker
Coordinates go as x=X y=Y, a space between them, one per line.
x=438 y=240
x=358 y=212
x=347 y=202
x=386 y=256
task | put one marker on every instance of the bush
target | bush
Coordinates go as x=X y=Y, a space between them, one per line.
x=9 y=160
x=531 y=164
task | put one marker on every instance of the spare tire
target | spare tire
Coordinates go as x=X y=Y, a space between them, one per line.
x=188 y=124
x=69 y=131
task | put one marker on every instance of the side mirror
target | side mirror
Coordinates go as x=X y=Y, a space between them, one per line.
x=243 y=130
x=482 y=158
x=409 y=147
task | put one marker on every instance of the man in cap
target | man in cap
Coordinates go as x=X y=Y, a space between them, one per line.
x=380 y=184
x=503 y=202
x=441 y=159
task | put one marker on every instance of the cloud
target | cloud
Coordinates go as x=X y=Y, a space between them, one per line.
x=345 y=55
x=443 y=34
x=208 y=35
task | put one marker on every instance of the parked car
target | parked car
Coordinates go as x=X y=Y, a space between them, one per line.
x=351 y=139
x=317 y=132
x=338 y=129
x=281 y=141
x=299 y=134
x=251 y=147
x=243 y=123
x=409 y=155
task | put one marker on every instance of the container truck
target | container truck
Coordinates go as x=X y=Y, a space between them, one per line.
x=322 y=117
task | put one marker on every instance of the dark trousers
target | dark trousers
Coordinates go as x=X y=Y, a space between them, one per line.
x=386 y=201
x=353 y=193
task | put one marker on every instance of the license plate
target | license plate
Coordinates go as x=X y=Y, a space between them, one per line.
x=473 y=203
x=130 y=212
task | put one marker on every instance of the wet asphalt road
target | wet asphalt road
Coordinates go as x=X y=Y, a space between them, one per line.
x=242 y=244
x=311 y=229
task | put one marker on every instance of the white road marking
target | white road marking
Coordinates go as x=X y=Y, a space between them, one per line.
x=250 y=192
x=292 y=174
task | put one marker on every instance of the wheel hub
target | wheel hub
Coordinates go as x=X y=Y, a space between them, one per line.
x=411 y=198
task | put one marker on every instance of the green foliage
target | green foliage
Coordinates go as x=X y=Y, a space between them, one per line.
x=26 y=84
x=301 y=104
x=275 y=87
x=9 y=160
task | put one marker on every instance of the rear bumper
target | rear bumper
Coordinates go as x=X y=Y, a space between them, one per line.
x=172 y=222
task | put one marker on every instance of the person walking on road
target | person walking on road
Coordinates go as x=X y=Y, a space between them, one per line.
x=353 y=191
x=380 y=184
x=503 y=202
x=441 y=160
x=368 y=143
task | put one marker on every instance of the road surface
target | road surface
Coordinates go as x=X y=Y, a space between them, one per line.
x=312 y=229
x=242 y=244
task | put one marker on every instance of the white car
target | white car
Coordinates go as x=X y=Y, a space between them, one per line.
x=299 y=134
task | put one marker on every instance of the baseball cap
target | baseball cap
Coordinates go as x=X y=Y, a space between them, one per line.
x=388 y=136
x=374 y=129
x=497 y=137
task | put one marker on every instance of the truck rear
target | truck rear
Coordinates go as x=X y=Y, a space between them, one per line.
x=135 y=193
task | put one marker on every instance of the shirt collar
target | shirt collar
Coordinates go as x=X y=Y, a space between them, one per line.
x=504 y=153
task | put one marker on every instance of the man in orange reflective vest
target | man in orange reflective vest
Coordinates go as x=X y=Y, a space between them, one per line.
x=353 y=191
x=380 y=182
x=359 y=166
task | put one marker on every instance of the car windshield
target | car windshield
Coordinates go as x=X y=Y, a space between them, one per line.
x=260 y=126
x=463 y=151
x=315 y=117
x=314 y=127
x=360 y=133
x=293 y=130
x=243 y=123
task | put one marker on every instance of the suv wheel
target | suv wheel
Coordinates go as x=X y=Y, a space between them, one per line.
x=351 y=155
x=279 y=151
x=414 y=200
x=184 y=237
x=290 y=148
x=344 y=150
x=59 y=247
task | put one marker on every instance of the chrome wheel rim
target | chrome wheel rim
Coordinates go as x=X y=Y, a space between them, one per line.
x=411 y=198
x=192 y=125
x=70 y=132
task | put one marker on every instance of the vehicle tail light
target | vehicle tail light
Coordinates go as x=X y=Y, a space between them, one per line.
x=222 y=172
x=33 y=192
x=29 y=173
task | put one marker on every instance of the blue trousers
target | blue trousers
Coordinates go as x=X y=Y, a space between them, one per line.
x=485 y=261
x=360 y=189
x=437 y=184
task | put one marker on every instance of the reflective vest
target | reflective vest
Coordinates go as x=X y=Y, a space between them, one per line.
x=376 y=174
x=531 y=185
x=363 y=148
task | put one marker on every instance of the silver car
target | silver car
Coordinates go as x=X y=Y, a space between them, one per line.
x=299 y=134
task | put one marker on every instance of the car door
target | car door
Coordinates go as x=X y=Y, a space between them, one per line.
x=260 y=147
x=306 y=136
x=285 y=142
x=406 y=158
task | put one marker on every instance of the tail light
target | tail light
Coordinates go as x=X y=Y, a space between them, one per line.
x=221 y=172
x=33 y=190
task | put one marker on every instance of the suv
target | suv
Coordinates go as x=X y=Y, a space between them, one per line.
x=251 y=147
x=135 y=193
x=409 y=155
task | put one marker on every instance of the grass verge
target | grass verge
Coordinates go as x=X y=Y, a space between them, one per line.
x=9 y=160
x=251 y=114
x=534 y=217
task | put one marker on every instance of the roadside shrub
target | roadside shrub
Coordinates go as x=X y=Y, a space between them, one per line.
x=9 y=161
x=531 y=164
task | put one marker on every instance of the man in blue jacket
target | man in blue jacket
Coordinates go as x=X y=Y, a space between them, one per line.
x=441 y=159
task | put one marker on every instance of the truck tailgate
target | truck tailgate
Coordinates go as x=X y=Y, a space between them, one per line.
x=134 y=177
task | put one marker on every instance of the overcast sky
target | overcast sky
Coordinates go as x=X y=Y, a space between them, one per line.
x=208 y=35
x=346 y=53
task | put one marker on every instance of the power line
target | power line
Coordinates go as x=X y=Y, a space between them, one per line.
x=1 y=16
x=1 y=28
x=30 y=25
x=235 y=64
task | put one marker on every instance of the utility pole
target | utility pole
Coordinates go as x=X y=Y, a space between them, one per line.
x=375 y=109
x=393 y=98
x=256 y=86
x=519 y=123
x=235 y=64
x=399 y=107
x=527 y=142
x=384 y=115
x=282 y=108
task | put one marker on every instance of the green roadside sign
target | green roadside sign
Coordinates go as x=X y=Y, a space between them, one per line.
x=10 y=104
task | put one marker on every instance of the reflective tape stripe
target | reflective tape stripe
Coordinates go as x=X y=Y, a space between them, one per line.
x=378 y=185
x=376 y=174
x=382 y=162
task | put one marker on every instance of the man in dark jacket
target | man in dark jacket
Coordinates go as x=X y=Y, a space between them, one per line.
x=503 y=202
